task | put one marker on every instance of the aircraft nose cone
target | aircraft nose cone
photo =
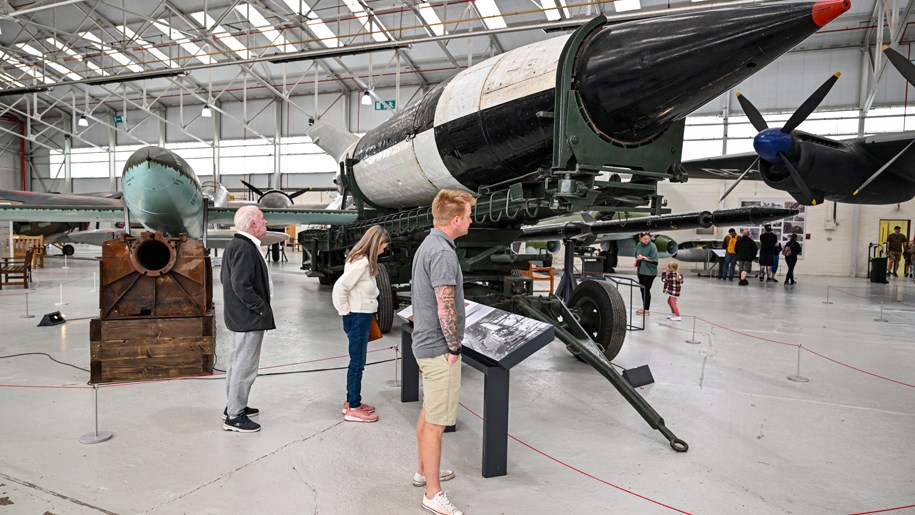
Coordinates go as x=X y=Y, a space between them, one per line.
x=770 y=142
x=828 y=10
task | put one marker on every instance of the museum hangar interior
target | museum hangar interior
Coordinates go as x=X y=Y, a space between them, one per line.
x=336 y=115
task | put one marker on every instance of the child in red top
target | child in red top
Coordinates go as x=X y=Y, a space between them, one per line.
x=673 y=282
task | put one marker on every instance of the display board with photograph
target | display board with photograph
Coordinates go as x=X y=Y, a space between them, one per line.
x=784 y=228
x=497 y=334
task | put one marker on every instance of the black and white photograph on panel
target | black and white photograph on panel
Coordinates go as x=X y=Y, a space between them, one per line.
x=796 y=224
x=497 y=333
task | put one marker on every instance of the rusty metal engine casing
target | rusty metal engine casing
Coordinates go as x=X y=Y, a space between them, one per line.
x=154 y=276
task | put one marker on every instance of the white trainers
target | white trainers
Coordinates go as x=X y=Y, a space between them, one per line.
x=675 y=318
x=444 y=475
x=440 y=505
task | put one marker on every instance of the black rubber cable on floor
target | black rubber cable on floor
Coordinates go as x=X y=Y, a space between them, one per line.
x=48 y=356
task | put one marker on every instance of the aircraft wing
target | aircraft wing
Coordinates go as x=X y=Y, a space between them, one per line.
x=16 y=206
x=288 y=215
x=722 y=167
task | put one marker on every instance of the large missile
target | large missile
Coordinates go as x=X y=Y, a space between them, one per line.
x=635 y=79
x=586 y=232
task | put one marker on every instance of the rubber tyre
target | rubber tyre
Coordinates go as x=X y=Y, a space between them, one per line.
x=275 y=252
x=603 y=314
x=68 y=250
x=385 y=299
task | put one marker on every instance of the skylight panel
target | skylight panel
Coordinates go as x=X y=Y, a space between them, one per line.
x=371 y=23
x=70 y=52
x=67 y=72
x=269 y=31
x=23 y=68
x=117 y=56
x=427 y=13
x=8 y=79
x=490 y=13
x=314 y=23
x=627 y=5
x=148 y=47
x=185 y=43
x=219 y=32
x=550 y=10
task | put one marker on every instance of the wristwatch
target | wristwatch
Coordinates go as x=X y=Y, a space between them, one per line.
x=455 y=352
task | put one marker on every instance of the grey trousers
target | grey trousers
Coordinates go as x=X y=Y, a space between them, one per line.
x=244 y=358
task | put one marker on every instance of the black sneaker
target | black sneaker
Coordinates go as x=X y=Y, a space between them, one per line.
x=743 y=282
x=241 y=424
x=249 y=412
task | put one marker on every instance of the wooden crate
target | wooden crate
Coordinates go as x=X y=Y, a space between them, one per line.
x=151 y=348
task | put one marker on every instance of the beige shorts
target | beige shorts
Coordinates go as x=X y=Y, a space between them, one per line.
x=441 y=389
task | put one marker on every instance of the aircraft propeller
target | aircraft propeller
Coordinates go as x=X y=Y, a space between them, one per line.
x=771 y=144
x=907 y=70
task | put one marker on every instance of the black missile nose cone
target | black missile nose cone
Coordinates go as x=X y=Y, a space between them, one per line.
x=639 y=77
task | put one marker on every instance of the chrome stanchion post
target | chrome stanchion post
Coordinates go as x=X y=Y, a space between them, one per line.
x=97 y=436
x=881 y=319
x=26 y=315
x=65 y=267
x=798 y=378
x=693 y=339
x=61 y=303
x=94 y=286
x=827 y=297
x=395 y=383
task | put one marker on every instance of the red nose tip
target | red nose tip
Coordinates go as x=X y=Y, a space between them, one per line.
x=827 y=10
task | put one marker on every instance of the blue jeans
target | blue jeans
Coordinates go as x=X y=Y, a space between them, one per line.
x=730 y=261
x=356 y=326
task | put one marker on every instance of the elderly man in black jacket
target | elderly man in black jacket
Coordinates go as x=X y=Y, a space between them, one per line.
x=246 y=289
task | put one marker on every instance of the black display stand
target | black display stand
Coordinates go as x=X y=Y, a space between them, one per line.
x=495 y=389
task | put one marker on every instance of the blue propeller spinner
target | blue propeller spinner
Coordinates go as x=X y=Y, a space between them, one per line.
x=770 y=142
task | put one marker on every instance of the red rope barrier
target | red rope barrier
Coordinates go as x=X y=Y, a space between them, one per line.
x=886 y=510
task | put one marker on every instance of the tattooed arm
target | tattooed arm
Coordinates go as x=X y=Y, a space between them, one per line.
x=447 y=318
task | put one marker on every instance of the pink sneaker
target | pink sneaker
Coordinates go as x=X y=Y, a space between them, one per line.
x=358 y=415
x=368 y=408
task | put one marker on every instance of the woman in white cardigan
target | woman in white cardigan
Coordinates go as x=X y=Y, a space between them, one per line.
x=356 y=300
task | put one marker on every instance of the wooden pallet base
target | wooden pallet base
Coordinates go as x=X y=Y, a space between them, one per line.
x=151 y=348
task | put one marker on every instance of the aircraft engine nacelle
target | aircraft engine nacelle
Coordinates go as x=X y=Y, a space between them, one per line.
x=216 y=192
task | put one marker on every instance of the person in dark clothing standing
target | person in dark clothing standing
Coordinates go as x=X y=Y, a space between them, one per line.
x=246 y=289
x=646 y=264
x=792 y=251
x=746 y=253
x=768 y=248
x=894 y=245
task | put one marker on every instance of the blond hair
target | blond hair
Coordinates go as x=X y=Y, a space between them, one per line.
x=368 y=247
x=449 y=204
x=673 y=266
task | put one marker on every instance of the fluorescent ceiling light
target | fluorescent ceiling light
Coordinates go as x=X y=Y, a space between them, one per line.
x=83 y=122
x=490 y=13
x=427 y=13
x=371 y=23
x=366 y=98
x=21 y=67
x=314 y=23
x=207 y=112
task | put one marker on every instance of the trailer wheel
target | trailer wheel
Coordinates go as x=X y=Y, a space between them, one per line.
x=603 y=314
x=385 y=299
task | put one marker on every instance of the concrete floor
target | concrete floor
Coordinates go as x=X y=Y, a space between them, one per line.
x=758 y=443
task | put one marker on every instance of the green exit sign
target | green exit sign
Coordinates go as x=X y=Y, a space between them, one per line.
x=118 y=118
x=387 y=104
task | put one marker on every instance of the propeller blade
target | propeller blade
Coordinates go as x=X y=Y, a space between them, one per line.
x=797 y=178
x=883 y=168
x=252 y=188
x=744 y=174
x=759 y=123
x=903 y=65
x=297 y=193
x=809 y=105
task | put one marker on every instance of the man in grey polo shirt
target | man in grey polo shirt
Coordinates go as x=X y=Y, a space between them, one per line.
x=438 y=328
